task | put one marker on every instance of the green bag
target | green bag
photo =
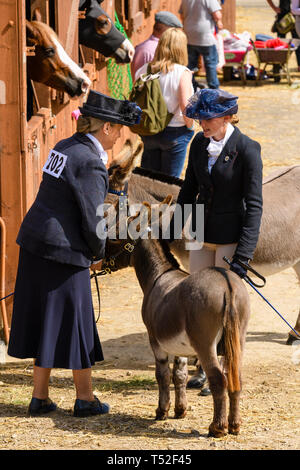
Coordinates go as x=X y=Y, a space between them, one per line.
x=286 y=24
x=147 y=94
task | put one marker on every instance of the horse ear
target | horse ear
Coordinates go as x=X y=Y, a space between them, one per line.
x=102 y=24
x=31 y=33
x=37 y=15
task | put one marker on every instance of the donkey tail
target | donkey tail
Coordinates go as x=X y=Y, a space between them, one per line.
x=232 y=348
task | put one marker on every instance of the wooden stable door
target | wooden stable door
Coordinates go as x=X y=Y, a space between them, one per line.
x=12 y=135
x=66 y=19
x=51 y=120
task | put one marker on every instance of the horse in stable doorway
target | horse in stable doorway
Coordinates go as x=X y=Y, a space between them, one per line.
x=51 y=65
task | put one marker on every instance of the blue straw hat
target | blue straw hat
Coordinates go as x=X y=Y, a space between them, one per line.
x=211 y=103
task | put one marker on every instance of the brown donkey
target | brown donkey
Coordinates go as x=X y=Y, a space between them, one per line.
x=187 y=315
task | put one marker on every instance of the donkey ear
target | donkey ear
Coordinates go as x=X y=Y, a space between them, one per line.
x=120 y=171
x=148 y=207
x=167 y=201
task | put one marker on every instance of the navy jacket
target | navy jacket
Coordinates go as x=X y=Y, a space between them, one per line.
x=231 y=194
x=61 y=224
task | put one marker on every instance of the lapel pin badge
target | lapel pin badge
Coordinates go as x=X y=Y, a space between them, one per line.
x=226 y=158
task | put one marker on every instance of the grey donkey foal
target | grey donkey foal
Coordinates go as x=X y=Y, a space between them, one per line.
x=189 y=315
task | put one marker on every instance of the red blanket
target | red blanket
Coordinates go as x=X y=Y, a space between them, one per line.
x=271 y=44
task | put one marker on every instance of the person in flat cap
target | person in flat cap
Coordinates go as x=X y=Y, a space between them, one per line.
x=60 y=238
x=224 y=173
x=144 y=52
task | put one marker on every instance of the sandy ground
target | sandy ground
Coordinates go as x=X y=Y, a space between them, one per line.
x=270 y=400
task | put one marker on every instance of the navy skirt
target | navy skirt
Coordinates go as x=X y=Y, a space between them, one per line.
x=53 y=317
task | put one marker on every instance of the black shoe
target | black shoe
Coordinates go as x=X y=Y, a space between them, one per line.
x=291 y=339
x=84 y=408
x=41 y=407
x=198 y=380
x=205 y=392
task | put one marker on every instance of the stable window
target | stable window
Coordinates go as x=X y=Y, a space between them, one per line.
x=130 y=14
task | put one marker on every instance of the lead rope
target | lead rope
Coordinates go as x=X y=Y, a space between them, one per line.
x=252 y=284
x=99 y=301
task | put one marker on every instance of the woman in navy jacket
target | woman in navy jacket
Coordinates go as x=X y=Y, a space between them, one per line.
x=224 y=173
x=60 y=237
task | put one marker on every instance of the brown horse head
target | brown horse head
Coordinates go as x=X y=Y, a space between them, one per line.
x=51 y=64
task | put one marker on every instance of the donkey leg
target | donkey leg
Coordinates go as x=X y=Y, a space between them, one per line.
x=180 y=375
x=218 y=386
x=163 y=377
x=292 y=337
x=234 y=419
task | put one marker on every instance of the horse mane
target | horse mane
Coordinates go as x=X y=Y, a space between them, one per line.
x=156 y=175
x=45 y=30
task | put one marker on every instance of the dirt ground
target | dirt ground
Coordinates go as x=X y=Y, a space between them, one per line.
x=270 y=400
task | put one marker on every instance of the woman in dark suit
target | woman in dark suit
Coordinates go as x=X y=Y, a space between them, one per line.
x=224 y=173
x=60 y=237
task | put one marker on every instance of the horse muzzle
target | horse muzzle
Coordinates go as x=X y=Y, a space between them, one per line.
x=124 y=54
x=76 y=87
x=121 y=56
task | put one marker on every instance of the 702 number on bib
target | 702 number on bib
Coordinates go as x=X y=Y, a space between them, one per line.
x=55 y=163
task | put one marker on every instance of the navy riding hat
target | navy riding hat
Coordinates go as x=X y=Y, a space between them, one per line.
x=109 y=109
x=211 y=103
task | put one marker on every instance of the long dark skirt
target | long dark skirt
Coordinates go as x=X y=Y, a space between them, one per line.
x=53 y=316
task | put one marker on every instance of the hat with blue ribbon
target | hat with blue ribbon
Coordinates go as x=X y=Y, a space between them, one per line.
x=109 y=109
x=211 y=103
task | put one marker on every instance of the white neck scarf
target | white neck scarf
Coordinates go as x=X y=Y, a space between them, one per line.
x=215 y=147
x=103 y=155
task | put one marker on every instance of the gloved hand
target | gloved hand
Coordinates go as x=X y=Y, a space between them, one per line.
x=237 y=268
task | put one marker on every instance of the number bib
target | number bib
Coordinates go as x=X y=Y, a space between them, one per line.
x=55 y=163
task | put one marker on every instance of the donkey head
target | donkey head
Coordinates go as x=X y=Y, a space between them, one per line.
x=98 y=32
x=129 y=231
x=51 y=64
